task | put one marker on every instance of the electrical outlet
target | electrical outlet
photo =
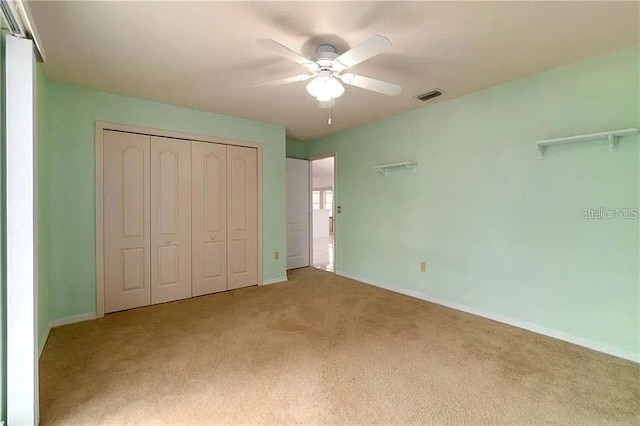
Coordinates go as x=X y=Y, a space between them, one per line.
x=276 y=255
x=423 y=266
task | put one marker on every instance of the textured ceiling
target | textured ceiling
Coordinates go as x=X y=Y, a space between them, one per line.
x=203 y=54
x=322 y=168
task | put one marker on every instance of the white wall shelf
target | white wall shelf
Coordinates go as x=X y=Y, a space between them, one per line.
x=383 y=169
x=612 y=135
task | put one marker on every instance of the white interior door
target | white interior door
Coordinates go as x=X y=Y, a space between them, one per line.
x=242 y=216
x=170 y=219
x=209 y=217
x=126 y=220
x=297 y=213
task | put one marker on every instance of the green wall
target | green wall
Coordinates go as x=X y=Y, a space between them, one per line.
x=297 y=149
x=43 y=206
x=501 y=231
x=72 y=115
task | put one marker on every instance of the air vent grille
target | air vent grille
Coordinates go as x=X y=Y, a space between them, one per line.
x=430 y=95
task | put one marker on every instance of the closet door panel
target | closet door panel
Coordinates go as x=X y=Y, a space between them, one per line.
x=170 y=219
x=126 y=223
x=209 y=230
x=242 y=216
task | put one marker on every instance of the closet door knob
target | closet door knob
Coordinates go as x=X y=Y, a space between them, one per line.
x=213 y=237
x=167 y=242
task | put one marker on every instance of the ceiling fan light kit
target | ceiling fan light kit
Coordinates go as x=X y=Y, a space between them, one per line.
x=327 y=66
x=325 y=87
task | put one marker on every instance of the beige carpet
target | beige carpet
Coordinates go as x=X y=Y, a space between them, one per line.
x=324 y=349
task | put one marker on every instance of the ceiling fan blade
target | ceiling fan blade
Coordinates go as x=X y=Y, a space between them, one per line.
x=369 y=48
x=286 y=52
x=283 y=81
x=379 y=86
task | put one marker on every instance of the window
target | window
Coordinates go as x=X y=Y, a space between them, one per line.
x=322 y=199
x=328 y=199
x=316 y=199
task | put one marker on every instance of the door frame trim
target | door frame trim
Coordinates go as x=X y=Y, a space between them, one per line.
x=100 y=127
x=311 y=159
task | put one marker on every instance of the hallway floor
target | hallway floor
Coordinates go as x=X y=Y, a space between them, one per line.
x=324 y=253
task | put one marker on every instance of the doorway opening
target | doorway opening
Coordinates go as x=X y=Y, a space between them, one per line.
x=323 y=209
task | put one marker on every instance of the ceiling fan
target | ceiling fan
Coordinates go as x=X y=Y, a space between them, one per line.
x=327 y=67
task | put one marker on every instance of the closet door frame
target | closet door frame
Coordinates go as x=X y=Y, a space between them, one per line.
x=100 y=127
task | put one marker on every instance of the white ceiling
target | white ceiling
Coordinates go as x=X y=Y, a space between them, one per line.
x=322 y=168
x=203 y=54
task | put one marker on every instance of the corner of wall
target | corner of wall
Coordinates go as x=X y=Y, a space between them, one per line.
x=297 y=149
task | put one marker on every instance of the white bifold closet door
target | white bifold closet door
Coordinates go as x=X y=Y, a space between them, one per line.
x=170 y=219
x=209 y=215
x=242 y=216
x=127 y=221
x=180 y=219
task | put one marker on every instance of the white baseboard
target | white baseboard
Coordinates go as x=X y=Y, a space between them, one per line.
x=70 y=320
x=62 y=321
x=274 y=280
x=556 y=334
x=43 y=340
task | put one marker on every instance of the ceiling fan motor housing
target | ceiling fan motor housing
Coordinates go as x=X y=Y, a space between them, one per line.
x=326 y=53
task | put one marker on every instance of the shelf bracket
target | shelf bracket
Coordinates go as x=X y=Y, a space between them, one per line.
x=613 y=143
x=541 y=151
x=411 y=167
